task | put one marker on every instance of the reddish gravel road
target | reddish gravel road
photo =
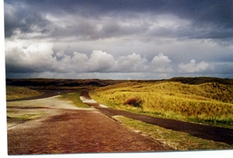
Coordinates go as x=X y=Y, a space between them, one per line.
x=67 y=129
x=73 y=130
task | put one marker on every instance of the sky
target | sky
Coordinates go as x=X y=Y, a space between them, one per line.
x=118 y=39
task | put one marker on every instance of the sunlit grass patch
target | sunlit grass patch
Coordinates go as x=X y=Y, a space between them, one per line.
x=207 y=103
x=173 y=139
x=75 y=98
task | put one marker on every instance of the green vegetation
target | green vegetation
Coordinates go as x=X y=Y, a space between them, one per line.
x=173 y=139
x=75 y=98
x=207 y=103
x=15 y=92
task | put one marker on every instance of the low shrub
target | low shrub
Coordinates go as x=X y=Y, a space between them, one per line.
x=135 y=102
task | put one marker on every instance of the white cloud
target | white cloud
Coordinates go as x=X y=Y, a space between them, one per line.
x=100 y=61
x=79 y=57
x=37 y=57
x=192 y=66
x=130 y=63
x=60 y=53
x=40 y=57
x=160 y=63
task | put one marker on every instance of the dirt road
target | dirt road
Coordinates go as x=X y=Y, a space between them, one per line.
x=224 y=135
x=64 y=128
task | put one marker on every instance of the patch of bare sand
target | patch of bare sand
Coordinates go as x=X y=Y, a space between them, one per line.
x=19 y=111
x=51 y=102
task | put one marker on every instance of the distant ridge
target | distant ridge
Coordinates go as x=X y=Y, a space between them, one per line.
x=200 y=80
x=36 y=82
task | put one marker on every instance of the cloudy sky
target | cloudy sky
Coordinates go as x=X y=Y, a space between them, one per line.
x=118 y=39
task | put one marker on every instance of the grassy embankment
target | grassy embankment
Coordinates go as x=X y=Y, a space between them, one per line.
x=15 y=92
x=208 y=103
x=174 y=139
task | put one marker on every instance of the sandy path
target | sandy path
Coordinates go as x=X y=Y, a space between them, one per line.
x=68 y=129
x=51 y=102
x=38 y=106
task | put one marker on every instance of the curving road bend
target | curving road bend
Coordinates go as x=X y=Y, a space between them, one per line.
x=67 y=129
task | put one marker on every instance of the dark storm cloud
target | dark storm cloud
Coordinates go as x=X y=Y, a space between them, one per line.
x=208 y=10
x=209 y=19
x=163 y=37
x=20 y=17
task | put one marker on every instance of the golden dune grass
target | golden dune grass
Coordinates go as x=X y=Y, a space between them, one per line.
x=207 y=102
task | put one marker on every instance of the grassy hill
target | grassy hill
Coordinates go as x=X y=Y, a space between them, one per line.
x=15 y=92
x=200 y=100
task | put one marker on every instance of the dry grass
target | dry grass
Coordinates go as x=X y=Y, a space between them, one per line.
x=209 y=103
